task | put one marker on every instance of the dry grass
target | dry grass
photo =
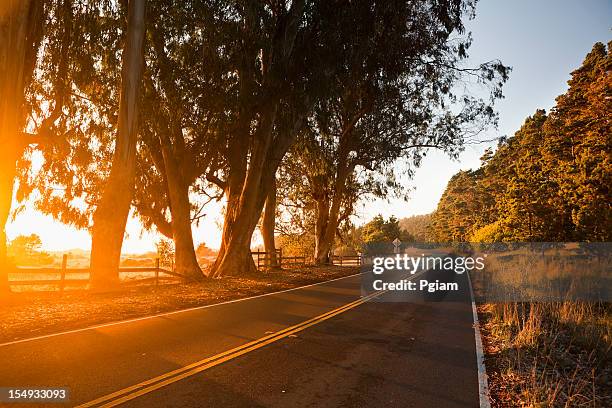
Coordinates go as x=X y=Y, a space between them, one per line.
x=533 y=277
x=548 y=354
x=547 y=342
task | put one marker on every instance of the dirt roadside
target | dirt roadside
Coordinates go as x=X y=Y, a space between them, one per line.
x=26 y=315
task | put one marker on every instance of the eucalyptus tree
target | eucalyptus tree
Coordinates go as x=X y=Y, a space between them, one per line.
x=270 y=48
x=22 y=25
x=75 y=176
x=183 y=106
x=89 y=170
x=268 y=223
x=289 y=53
x=46 y=72
x=392 y=97
x=110 y=217
x=70 y=104
x=76 y=86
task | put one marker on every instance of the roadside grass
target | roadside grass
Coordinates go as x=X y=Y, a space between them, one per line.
x=548 y=354
x=31 y=314
x=547 y=340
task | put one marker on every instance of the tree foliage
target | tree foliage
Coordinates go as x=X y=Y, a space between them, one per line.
x=227 y=89
x=551 y=181
x=418 y=226
x=391 y=98
x=71 y=105
x=165 y=252
x=25 y=250
x=379 y=230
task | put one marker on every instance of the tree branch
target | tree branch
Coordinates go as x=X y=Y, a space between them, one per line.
x=217 y=181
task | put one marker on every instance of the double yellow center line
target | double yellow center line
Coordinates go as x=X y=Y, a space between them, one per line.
x=145 y=387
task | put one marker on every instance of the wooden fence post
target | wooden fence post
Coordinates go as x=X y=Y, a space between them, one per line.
x=280 y=258
x=156 y=271
x=63 y=272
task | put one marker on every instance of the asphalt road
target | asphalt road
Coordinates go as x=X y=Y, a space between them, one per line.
x=373 y=354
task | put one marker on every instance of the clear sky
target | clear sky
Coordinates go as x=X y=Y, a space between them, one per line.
x=543 y=41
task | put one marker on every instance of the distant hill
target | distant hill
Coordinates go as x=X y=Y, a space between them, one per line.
x=79 y=258
x=78 y=252
x=417 y=226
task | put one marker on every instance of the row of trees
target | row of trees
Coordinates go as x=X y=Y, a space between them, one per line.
x=27 y=250
x=418 y=226
x=158 y=106
x=551 y=181
x=379 y=230
x=351 y=240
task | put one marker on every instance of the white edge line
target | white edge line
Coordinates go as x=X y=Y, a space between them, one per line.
x=483 y=385
x=137 y=319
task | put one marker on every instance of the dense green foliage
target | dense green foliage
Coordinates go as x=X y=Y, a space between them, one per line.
x=381 y=230
x=551 y=181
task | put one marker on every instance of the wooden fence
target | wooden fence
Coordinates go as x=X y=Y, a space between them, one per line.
x=346 y=260
x=292 y=261
x=64 y=270
x=263 y=260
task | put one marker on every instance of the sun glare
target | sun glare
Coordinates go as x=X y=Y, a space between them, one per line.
x=56 y=236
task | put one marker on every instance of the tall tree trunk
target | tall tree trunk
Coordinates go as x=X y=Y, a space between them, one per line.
x=234 y=256
x=245 y=202
x=241 y=218
x=328 y=215
x=322 y=248
x=324 y=239
x=268 y=225
x=20 y=29
x=7 y=178
x=185 y=259
x=247 y=190
x=178 y=228
x=112 y=212
x=255 y=156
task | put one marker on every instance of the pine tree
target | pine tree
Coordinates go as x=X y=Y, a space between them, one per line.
x=551 y=181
